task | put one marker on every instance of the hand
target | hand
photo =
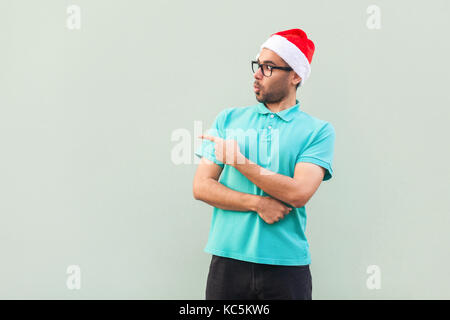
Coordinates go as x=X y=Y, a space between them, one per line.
x=226 y=151
x=271 y=210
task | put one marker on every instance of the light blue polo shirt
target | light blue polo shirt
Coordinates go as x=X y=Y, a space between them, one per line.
x=276 y=141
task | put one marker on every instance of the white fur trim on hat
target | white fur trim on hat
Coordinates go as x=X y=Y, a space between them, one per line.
x=290 y=53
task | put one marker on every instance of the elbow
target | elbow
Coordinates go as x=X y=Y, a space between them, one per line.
x=298 y=204
x=297 y=201
x=196 y=191
x=197 y=196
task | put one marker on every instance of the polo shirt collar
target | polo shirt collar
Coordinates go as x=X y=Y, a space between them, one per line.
x=286 y=114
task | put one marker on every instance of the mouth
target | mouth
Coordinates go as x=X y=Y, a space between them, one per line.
x=256 y=88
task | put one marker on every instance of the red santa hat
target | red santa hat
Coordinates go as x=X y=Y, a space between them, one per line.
x=294 y=47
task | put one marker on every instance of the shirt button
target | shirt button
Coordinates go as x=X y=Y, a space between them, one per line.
x=271 y=115
x=270 y=127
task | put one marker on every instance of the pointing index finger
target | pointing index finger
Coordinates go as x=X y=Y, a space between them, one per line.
x=208 y=137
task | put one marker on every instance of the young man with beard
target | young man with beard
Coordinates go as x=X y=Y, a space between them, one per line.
x=257 y=236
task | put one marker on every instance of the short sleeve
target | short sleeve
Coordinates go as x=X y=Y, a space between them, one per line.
x=206 y=149
x=320 y=150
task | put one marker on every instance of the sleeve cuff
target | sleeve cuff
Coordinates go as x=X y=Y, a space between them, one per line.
x=326 y=165
x=209 y=157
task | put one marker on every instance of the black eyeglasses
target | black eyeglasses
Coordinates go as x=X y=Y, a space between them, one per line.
x=266 y=69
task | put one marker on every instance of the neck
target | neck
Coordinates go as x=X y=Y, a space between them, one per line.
x=282 y=104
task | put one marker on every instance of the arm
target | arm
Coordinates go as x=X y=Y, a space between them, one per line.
x=295 y=191
x=207 y=188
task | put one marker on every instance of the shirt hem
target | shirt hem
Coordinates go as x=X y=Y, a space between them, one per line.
x=238 y=256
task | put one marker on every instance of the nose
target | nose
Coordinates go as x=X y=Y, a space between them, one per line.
x=258 y=74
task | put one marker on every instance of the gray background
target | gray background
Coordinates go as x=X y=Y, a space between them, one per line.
x=86 y=118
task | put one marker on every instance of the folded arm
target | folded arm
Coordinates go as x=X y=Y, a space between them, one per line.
x=295 y=191
x=207 y=188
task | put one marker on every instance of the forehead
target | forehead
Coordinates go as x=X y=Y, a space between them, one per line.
x=267 y=54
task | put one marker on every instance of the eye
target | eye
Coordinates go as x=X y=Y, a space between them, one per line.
x=269 y=67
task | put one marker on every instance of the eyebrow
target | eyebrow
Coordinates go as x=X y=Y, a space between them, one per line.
x=267 y=61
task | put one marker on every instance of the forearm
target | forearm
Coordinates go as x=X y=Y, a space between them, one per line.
x=279 y=186
x=216 y=194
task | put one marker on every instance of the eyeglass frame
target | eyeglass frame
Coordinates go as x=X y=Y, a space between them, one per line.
x=271 y=68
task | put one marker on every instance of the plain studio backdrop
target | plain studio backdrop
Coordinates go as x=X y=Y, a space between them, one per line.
x=89 y=186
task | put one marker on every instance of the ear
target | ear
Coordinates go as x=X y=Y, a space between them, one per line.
x=296 y=79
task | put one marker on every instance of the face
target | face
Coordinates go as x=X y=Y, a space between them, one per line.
x=276 y=87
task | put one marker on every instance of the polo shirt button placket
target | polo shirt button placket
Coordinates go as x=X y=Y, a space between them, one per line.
x=269 y=138
x=269 y=127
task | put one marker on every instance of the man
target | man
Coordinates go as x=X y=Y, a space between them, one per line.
x=257 y=236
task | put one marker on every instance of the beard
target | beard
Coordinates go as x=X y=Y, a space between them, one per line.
x=273 y=95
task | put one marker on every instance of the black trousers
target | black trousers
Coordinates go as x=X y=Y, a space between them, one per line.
x=232 y=279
